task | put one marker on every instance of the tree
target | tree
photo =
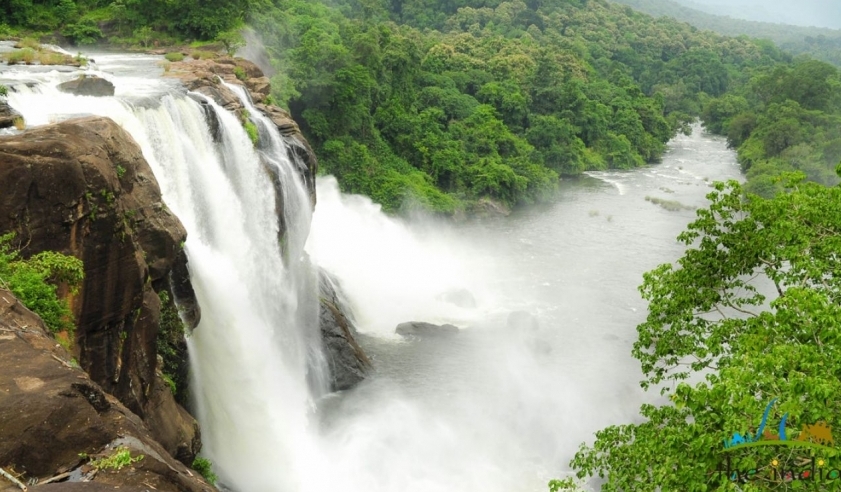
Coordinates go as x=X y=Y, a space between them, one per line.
x=754 y=306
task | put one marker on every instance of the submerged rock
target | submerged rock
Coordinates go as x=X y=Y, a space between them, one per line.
x=423 y=329
x=88 y=86
x=51 y=412
x=82 y=187
x=347 y=361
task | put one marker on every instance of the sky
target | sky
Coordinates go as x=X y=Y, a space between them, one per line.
x=820 y=13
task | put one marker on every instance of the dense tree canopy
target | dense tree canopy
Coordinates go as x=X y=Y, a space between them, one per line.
x=446 y=102
x=820 y=43
x=786 y=118
x=754 y=308
x=88 y=21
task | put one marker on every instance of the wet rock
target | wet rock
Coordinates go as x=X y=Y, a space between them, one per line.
x=347 y=361
x=204 y=77
x=8 y=115
x=462 y=298
x=82 y=187
x=51 y=411
x=425 y=330
x=88 y=86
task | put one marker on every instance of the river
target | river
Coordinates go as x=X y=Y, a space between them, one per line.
x=500 y=407
x=505 y=407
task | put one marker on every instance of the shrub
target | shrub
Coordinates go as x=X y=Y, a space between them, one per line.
x=205 y=468
x=239 y=72
x=174 y=56
x=203 y=55
x=117 y=461
x=83 y=32
x=251 y=130
x=4 y=91
x=26 y=55
x=33 y=281
x=28 y=43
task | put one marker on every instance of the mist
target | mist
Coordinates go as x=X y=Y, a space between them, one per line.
x=817 y=13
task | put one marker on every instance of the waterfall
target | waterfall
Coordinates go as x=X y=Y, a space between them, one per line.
x=256 y=361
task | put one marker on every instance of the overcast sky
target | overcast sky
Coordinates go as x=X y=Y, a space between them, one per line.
x=821 y=13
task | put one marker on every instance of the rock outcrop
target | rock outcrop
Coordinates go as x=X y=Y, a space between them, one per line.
x=347 y=361
x=204 y=76
x=8 y=115
x=82 y=187
x=422 y=329
x=88 y=86
x=54 y=418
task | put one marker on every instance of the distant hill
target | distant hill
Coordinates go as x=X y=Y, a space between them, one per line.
x=820 y=13
x=819 y=43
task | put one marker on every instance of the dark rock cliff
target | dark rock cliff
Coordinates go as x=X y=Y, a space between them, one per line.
x=54 y=418
x=83 y=188
x=347 y=361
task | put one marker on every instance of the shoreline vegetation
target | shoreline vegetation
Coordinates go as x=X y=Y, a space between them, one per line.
x=441 y=105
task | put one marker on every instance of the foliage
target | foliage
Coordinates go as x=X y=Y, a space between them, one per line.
x=752 y=311
x=239 y=73
x=251 y=131
x=171 y=346
x=4 y=91
x=819 y=43
x=174 y=56
x=491 y=99
x=205 y=468
x=232 y=41
x=34 y=282
x=83 y=32
x=119 y=459
x=785 y=118
x=82 y=21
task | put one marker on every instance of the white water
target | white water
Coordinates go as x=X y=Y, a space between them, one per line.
x=495 y=409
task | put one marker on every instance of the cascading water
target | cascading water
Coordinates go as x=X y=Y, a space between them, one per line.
x=501 y=407
x=255 y=355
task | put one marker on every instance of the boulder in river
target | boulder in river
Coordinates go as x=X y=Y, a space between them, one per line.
x=425 y=330
x=88 y=86
x=347 y=361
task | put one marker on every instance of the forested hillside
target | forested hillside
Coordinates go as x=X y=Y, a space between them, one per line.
x=443 y=103
x=447 y=102
x=819 y=43
x=122 y=21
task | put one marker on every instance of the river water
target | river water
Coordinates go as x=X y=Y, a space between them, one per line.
x=504 y=407
x=499 y=407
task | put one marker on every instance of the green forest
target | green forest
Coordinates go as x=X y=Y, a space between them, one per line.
x=440 y=104
x=819 y=43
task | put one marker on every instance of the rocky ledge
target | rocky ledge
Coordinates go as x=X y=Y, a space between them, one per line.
x=54 y=420
x=204 y=76
x=82 y=187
